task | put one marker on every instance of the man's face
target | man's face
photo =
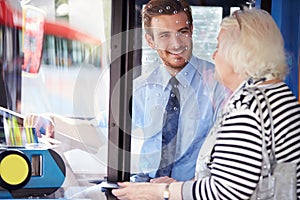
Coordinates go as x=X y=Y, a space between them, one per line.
x=172 y=38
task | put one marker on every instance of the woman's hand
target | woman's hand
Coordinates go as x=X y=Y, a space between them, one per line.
x=139 y=191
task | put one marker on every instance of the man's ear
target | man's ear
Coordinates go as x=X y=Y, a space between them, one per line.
x=149 y=40
x=192 y=28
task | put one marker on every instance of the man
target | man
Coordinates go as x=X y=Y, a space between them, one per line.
x=169 y=28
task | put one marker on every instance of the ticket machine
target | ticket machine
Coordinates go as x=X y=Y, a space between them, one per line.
x=28 y=168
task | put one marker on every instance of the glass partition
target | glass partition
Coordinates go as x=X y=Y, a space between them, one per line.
x=206 y=21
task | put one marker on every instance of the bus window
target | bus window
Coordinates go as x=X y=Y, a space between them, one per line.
x=70 y=59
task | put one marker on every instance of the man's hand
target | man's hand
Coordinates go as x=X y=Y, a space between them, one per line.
x=164 y=179
x=43 y=124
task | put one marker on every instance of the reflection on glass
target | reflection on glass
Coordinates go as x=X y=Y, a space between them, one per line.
x=74 y=58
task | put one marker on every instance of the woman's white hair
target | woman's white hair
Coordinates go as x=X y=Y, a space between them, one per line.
x=253 y=44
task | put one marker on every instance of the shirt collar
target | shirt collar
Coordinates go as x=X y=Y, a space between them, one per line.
x=161 y=75
x=185 y=76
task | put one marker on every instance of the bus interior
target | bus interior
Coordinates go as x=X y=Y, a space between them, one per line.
x=76 y=61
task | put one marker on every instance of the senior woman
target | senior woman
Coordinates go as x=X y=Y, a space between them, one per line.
x=250 y=54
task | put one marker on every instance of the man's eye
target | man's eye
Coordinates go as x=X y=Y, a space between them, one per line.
x=164 y=35
x=185 y=33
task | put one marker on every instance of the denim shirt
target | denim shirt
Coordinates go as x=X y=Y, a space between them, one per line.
x=200 y=99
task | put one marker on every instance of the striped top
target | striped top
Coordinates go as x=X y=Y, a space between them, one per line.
x=236 y=157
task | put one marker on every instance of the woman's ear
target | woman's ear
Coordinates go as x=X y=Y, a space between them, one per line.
x=149 y=40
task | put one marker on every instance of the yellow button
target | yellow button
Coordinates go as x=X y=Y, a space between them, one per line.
x=14 y=169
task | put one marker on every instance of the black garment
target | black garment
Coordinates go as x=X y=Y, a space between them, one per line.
x=3 y=97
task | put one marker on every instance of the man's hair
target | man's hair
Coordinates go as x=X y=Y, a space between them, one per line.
x=164 y=7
